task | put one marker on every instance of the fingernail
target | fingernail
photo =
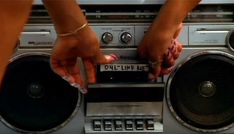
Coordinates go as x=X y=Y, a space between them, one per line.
x=82 y=90
x=114 y=56
x=66 y=78
x=151 y=77
x=111 y=57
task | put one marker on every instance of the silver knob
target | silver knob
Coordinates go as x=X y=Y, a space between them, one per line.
x=107 y=37
x=126 y=37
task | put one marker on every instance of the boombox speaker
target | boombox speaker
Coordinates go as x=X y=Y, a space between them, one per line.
x=34 y=99
x=199 y=94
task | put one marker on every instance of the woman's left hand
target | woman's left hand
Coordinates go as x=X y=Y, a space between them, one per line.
x=161 y=50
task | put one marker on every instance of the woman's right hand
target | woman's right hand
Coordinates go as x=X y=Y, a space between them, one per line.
x=83 y=44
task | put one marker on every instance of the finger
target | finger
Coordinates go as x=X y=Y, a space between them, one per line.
x=100 y=58
x=172 y=47
x=74 y=71
x=81 y=89
x=77 y=85
x=78 y=82
x=165 y=71
x=69 y=68
x=156 y=72
x=178 y=52
x=90 y=70
x=168 y=60
x=178 y=49
x=168 y=63
x=151 y=77
x=57 y=67
x=70 y=74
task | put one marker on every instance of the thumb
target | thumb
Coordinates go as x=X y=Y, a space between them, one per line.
x=105 y=59
x=90 y=64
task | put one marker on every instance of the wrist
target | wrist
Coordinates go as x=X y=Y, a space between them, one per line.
x=166 y=28
x=65 y=14
x=73 y=32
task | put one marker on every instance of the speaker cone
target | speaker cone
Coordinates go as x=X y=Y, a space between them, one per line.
x=33 y=98
x=200 y=92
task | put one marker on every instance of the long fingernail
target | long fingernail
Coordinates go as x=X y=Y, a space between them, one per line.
x=81 y=89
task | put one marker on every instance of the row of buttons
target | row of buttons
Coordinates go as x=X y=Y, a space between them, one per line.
x=120 y=125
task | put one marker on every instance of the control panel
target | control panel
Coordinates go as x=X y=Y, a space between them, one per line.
x=124 y=117
x=124 y=124
x=115 y=36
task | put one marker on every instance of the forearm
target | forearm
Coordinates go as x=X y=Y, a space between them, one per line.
x=172 y=15
x=13 y=14
x=66 y=15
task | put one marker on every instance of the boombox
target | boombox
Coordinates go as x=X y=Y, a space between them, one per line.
x=196 y=97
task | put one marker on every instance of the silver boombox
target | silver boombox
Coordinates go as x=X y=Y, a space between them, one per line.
x=196 y=97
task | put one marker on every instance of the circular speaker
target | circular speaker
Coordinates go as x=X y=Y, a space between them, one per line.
x=34 y=98
x=230 y=40
x=200 y=91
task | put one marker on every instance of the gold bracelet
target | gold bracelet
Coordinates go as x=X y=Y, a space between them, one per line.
x=73 y=32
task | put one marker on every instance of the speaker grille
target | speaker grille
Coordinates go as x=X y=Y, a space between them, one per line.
x=201 y=92
x=33 y=98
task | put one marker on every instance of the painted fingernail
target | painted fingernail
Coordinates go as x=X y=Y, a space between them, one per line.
x=111 y=57
x=114 y=56
x=82 y=90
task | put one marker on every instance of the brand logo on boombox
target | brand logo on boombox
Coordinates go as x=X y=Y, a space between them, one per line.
x=124 y=67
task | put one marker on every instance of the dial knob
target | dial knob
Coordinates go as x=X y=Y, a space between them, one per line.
x=107 y=37
x=230 y=40
x=126 y=37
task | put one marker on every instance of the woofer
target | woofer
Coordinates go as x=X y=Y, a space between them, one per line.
x=34 y=98
x=199 y=92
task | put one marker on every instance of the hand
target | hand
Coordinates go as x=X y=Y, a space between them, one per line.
x=85 y=45
x=162 y=50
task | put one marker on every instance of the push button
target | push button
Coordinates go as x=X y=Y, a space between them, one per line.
x=139 y=125
x=107 y=125
x=118 y=124
x=97 y=125
x=149 y=124
x=129 y=125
